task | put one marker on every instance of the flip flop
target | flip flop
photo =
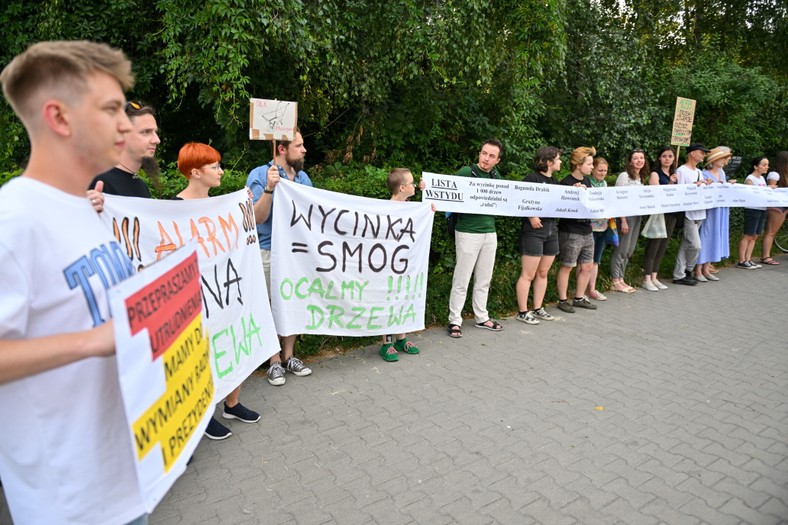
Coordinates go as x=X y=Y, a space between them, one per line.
x=769 y=261
x=454 y=331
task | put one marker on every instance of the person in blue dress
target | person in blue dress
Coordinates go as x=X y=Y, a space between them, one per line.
x=714 y=233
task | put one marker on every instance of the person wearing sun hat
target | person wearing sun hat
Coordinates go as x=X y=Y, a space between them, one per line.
x=714 y=234
x=688 y=173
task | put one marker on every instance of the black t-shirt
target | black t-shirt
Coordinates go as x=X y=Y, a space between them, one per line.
x=121 y=182
x=579 y=226
x=538 y=178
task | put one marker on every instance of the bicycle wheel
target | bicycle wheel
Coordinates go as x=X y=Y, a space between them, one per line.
x=781 y=238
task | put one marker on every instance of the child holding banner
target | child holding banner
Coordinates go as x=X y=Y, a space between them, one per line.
x=199 y=163
x=402 y=187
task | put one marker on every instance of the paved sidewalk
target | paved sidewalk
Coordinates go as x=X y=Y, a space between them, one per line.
x=667 y=407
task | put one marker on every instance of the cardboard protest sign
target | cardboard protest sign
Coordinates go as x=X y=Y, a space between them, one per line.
x=237 y=312
x=683 y=118
x=164 y=367
x=272 y=119
x=346 y=265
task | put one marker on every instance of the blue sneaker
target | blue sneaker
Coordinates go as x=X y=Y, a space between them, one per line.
x=241 y=413
x=216 y=430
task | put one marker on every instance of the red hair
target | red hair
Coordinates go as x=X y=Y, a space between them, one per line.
x=195 y=155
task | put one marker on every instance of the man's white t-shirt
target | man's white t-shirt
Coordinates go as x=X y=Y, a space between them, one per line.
x=65 y=449
x=685 y=175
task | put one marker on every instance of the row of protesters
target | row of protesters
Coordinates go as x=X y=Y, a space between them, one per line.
x=775 y=217
x=542 y=238
x=199 y=166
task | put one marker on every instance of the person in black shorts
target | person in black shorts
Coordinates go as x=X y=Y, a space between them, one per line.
x=538 y=243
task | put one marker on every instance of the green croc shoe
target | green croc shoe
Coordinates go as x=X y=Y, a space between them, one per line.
x=403 y=345
x=388 y=353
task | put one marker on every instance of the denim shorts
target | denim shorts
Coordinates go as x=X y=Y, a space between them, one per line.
x=576 y=248
x=540 y=242
x=754 y=221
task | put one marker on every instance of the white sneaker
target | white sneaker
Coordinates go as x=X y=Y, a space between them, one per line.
x=651 y=287
x=658 y=284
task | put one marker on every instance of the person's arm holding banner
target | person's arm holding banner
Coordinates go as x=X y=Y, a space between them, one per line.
x=27 y=357
x=262 y=191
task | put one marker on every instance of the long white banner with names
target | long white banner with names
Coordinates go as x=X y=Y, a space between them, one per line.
x=524 y=199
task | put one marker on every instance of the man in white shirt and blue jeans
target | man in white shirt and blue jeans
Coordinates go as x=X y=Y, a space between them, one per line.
x=688 y=173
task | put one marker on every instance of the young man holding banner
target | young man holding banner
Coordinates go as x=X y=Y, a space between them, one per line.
x=66 y=455
x=289 y=163
x=688 y=173
x=476 y=243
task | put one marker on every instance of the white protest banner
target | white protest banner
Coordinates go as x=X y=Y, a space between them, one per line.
x=235 y=301
x=524 y=199
x=345 y=265
x=272 y=119
x=164 y=368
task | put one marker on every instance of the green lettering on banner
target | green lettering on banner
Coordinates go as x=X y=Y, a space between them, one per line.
x=359 y=317
x=240 y=344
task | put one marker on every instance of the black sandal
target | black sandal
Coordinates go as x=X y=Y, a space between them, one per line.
x=494 y=327
x=454 y=331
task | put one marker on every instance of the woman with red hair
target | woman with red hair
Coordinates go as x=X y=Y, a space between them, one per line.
x=199 y=163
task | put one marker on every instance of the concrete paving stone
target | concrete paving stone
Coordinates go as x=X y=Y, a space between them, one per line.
x=698 y=508
x=756 y=466
x=344 y=511
x=635 y=497
x=583 y=512
x=737 y=507
x=542 y=511
x=664 y=511
x=734 y=458
x=288 y=492
x=383 y=512
x=775 y=507
x=592 y=494
x=423 y=511
x=711 y=496
x=779 y=491
x=622 y=512
x=661 y=490
x=692 y=449
x=587 y=468
x=734 y=487
x=557 y=496
x=463 y=511
x=517 y=493
x=659 y=470
x=634 y=477
x=557 y=469
x=501 y=511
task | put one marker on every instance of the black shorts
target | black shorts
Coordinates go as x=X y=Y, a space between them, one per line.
x=539 y=242
x=754 y=221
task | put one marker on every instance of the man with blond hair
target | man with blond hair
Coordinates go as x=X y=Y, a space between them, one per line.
x=65 y=449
